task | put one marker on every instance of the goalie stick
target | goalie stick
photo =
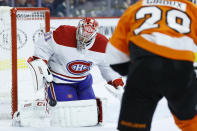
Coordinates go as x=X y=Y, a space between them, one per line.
x=52 y=101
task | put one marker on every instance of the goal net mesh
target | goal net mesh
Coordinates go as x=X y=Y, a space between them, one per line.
x=27 y=25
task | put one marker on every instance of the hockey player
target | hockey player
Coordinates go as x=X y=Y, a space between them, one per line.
x=64 y=58
x=159 y=38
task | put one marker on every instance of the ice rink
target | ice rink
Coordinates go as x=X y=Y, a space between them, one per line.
x=162 y=120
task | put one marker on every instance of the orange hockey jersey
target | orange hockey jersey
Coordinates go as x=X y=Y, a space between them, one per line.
x=166 y=28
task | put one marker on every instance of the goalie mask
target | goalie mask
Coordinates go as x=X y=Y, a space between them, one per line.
x=86 y=33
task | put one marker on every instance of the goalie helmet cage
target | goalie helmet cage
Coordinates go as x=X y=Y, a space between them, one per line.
x=20 y=27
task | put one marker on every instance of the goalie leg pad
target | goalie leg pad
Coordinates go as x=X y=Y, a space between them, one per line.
x=64 y=114
x=33 y=114
x=75 y=113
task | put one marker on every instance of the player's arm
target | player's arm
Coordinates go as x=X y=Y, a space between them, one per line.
x=44 y=46
x=117 y=51
x=37 y=63
x=114 y=80
x=109 y=74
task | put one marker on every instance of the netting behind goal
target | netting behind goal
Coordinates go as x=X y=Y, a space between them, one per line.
x=19 y=29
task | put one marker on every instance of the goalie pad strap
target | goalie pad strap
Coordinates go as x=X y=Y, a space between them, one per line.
x=100 y=110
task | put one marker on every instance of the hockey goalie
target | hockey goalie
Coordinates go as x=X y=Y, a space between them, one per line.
x=61 y=64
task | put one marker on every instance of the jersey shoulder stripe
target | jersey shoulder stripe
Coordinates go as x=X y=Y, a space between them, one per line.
x=99 y=44
x=65 y=35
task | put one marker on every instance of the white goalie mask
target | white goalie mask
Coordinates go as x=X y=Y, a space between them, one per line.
x=86 y=33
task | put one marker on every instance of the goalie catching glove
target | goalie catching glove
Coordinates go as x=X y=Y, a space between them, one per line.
x=40 y=72
x=117 y=89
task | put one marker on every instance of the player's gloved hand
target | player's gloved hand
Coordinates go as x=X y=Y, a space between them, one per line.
x=40 y=66
x=118 y=90
x=116 y=83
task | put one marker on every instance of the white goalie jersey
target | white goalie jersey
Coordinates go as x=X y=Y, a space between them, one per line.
x=66 y=63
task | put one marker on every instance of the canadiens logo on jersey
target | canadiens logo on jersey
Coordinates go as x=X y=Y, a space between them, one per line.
x=78 y=67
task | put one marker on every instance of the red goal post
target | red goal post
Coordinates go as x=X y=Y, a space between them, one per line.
x=20 y=27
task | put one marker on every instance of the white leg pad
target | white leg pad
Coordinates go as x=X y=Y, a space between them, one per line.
x=64 y=114
x=75 y=113
x=33 y=114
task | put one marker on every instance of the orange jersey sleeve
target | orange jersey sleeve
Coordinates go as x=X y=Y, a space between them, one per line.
x=164 y=27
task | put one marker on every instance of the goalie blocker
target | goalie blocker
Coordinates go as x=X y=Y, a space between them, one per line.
x=64 y=114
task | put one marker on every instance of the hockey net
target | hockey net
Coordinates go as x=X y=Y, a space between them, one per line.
x=20 y=28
